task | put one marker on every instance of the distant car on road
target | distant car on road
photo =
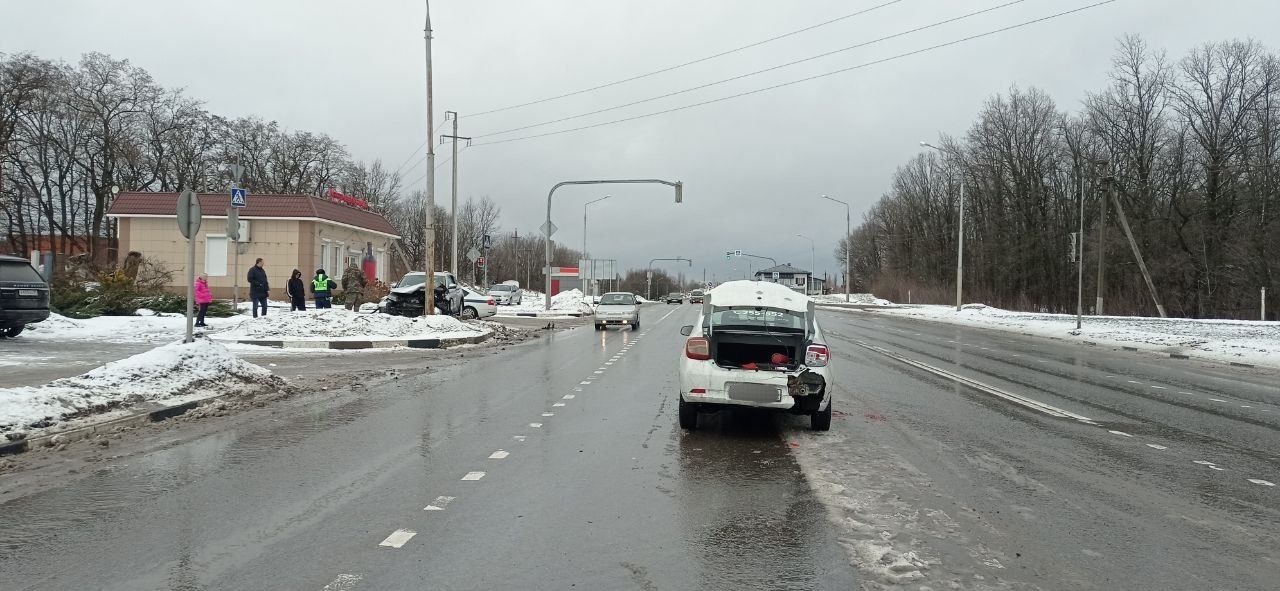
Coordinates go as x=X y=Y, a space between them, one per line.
x=506 y=294
x=616 y=308
x=24 y=296
x=760 y=346
x=407 y=297
x=695 y=296
x=674 y=298
x=477 y=305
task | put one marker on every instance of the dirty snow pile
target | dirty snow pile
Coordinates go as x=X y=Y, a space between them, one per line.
x=1244 y=341
x=336 y=324
x=171 y=373
x=864 y=299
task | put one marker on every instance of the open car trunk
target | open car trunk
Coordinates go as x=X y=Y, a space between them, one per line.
x=773 y=351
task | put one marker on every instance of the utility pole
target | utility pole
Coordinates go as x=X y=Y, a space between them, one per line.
x=959 y=236
x=453 y=211
x=848 y=244
x=1102 y=243
x=429 y=249
x=1080 y=262
x=1137 y=253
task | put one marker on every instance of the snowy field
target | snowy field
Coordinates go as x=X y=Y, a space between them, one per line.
x=117 y=329
x=864 y=299
x=1241 y=341
x=171 y=373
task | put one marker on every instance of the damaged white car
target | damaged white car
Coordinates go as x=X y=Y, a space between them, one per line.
x=756 y=344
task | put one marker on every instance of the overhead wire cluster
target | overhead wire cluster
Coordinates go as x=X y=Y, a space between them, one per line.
x=493 y=139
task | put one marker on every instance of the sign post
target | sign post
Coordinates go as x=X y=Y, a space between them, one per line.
x=189 y=224
x=233 y=234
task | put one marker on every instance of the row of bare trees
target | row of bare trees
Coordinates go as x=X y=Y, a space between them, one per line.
x=72 y=135
x=1189 y=148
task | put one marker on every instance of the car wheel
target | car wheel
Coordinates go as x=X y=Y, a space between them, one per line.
x=688 y=415
x=13 y=331
x=635 y=325
x=469 y=313
x=599 y=327
x=821 y=420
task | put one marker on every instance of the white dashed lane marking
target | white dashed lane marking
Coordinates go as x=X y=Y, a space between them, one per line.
x=569 y=396
x=499 y=455
x=1262 y=482
x=398 y=538
x=343 y=582
x=1154 y=446
x=536 y=425
x=585 y=383
x=439 y=504
x=519 y=437
x=1159 y=388
x=1121 y=433
x=598 y=372
x=548 y=414
x=558 y=404
x=473 y=476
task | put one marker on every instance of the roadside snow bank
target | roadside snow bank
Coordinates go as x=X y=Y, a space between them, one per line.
x=566 y=302
x=1243 y=341
x=339 y=324
x=116 y=329
x=167 y=373
x=865 y=299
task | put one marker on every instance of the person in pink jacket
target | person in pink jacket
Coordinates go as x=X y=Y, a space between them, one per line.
x=204 y=297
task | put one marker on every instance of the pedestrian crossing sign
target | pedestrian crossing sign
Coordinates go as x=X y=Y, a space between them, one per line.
x=239 y=197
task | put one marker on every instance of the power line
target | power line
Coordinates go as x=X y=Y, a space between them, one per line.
x=688 y=63
x=438 y=165
x=806 y=79
x=757 y=72
x=411 y=155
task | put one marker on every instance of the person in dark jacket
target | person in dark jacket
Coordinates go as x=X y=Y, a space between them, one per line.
x=321 y=287
x=258 y=287
x=297 y=292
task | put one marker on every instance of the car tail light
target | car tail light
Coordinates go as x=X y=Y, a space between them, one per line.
x=698 y=391
x=491 y=302
x=817 y=356
x=697 y=348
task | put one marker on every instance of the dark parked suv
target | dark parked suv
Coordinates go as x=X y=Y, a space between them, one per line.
x=24 y=296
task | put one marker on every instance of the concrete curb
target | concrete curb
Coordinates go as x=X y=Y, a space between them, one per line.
x=541 y=314
x=1089 y=343
x=370 y=344
x=153 y=413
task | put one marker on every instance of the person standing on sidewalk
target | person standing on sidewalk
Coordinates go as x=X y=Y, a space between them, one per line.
x=321 y=287
x=204 y=297
x=353 y=284
x=258 y=287
x=297 y=292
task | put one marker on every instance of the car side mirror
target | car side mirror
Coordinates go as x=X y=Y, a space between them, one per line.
x=686 y=330
x=451 y=286
x=395 y=284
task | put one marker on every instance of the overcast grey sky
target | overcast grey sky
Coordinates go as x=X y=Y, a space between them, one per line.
x=753 y=167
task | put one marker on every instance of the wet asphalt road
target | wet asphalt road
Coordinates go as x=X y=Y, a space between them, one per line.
x=571 y=485
x=1161 y=488
x=1160 y=493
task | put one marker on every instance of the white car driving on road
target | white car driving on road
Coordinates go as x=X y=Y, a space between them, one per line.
x=617 y=308
x=756 y=344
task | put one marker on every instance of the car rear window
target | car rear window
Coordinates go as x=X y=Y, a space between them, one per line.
x=502 y=288
x=19 y=271
x=617 y=299
x=770 y=319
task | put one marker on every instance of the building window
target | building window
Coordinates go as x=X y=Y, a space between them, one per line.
x=324 y=254
x=335 y=264
x=800 y=280
x=215 y=255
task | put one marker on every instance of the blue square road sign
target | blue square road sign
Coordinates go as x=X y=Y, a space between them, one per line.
x=239 y=197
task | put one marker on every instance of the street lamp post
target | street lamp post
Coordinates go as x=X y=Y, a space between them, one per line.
x=548 y=228
x=648 y=275
x=848 y=245
x=808 y=282
x=959 y=233
x=585 y=256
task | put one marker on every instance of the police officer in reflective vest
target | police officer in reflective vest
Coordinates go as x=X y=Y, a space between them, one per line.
x=320 y=288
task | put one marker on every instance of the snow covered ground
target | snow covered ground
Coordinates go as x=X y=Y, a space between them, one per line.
x=171 y=373
x=336 y=324
x=1241 y=341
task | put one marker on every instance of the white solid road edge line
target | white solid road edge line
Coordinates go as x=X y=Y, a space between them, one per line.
x=398 y=538
x=975 y=384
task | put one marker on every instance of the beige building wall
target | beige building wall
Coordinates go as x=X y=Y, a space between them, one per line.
x=283 y=244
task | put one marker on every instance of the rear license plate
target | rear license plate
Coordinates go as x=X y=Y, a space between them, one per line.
x=28 y=293
x=754 y=392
